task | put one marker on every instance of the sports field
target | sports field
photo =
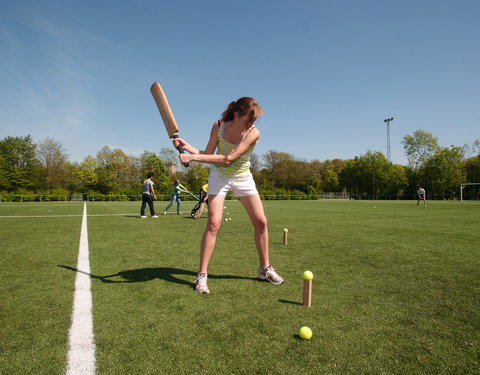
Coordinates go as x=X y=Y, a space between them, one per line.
x=396 y=289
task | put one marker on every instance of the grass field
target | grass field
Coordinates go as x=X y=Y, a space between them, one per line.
x=396 y=289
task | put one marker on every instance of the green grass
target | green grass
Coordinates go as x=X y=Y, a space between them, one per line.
x=396 y=290
x=36 y=295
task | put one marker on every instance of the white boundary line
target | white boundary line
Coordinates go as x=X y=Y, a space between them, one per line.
x=81 y=346
x=57 y=216
x=90 y=215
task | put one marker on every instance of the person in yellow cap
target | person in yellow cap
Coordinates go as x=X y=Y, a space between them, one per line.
x=203 y=200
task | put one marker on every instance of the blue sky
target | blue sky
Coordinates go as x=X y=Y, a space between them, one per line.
x=327 y=73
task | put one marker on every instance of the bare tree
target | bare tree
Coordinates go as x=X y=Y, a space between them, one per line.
x=55 y=171
x=170 y=159
x=255 y=163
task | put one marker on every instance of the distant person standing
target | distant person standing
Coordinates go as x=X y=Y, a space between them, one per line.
x=422 y=196
x=177 y=188
x=148 y=196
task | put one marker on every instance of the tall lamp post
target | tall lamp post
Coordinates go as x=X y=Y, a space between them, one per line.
x=389 y=156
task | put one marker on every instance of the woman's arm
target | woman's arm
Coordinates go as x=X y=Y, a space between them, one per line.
x=211 y=146
x=227 y=159
x=182 y=188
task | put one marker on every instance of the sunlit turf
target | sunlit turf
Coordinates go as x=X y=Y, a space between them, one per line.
x=395 y=289
x=36 y=297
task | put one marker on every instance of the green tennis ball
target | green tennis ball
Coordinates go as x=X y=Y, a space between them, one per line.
x=308 y=275
x=305 y=333
x=285 y=230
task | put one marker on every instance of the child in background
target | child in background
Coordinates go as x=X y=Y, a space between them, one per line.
x=177 y=188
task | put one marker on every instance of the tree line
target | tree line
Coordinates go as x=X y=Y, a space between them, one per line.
x=44 y=168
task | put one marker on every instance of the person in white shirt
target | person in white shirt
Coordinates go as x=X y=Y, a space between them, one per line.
x=148 y=196
x=422 y=196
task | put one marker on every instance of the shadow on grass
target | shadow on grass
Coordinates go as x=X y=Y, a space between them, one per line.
x=290 y=302
x=149 y=274
x=297 y=337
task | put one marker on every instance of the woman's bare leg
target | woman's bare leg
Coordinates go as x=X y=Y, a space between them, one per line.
x=254 y=206
x=215 y=213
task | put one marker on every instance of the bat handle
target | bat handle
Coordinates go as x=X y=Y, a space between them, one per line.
x=180 y=150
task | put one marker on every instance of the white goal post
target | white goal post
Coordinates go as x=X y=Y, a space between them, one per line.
x=466 y=184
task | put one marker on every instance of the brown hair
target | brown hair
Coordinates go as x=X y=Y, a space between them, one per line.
x=243 y=106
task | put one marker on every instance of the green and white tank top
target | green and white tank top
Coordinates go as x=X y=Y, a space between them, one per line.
x=241 y=166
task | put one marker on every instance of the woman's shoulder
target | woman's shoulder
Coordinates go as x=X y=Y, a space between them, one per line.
x=217 y=125
x=254 y=132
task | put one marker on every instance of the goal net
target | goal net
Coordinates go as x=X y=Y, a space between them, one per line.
x=470 y=191
x=76 y=197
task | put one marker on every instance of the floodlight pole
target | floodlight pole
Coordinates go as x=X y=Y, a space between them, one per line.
x=389 y=156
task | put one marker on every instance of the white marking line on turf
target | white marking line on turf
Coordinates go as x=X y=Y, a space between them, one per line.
x=56 y=216
x=34 y=216
x=81 y=346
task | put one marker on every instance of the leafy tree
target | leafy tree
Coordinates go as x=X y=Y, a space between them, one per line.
x=444 y=172
x=419 y=147
x=116 y=170
x=86 y=172
x=4 y=184
x=196 y=177
x=373 y=176
x=330 y=179
x=151 y=162
x=292 y=175
x=18 y=163
x=272 y=158
x=281 y=172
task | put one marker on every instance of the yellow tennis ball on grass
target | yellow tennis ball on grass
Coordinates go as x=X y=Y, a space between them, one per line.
x=305 y=333
x=308 y=275
x=285 y=230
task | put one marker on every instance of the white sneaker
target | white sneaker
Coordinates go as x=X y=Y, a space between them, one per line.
x=164 y=212
x=154 y=217
x=143 y=217
x=201 y=284
x=270 y=275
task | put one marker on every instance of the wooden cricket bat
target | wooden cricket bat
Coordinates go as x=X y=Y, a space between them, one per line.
x=166 y=113
x=199 y=213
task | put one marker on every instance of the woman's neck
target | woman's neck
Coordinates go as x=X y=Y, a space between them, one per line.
x=236 y=127
x=234 y=132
